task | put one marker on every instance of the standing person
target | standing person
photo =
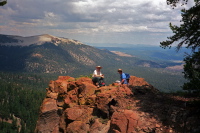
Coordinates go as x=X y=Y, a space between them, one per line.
x=123 y=78
x=98 y=77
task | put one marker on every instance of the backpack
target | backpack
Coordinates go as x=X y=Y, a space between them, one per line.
x=127 y=77
x=102 y=83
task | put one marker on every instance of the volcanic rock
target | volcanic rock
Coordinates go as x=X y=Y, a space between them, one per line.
x=77 y=106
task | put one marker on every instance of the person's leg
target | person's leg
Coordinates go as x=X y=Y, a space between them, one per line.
x=96 y=80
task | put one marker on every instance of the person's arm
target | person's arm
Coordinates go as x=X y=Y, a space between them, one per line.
x=101 y=75
x=94 y=73
x=122 y=82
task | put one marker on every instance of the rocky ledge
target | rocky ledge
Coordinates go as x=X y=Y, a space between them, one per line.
x=77 y=106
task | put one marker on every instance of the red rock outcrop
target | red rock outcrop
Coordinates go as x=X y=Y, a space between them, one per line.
x=77 y=106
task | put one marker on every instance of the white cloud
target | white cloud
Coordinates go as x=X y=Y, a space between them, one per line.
x=49 y=14
x=82 y=19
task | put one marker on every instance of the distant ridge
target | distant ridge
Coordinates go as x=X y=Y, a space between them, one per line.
x=11 y=40
x=49 y=54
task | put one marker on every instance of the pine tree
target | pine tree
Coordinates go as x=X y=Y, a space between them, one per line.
x=188 y=34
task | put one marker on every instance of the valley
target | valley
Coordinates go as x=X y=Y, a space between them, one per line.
x=163 y=67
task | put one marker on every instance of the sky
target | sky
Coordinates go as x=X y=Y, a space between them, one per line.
x=107 y=22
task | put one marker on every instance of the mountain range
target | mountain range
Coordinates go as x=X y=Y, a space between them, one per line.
x=50 y=54
x=58 y=55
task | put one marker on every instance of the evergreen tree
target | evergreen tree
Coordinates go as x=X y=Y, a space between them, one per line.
x=192 y=72
x=188 y=34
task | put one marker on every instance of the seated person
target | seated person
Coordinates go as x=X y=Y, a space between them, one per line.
x=123 y=78
x=98 y=77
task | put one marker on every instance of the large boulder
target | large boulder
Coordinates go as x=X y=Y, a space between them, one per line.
x=49 y=119
x=124 y=121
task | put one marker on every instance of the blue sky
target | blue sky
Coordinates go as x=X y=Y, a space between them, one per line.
x=91 y=21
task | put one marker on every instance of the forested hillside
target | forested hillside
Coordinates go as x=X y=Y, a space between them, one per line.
x=20 y=98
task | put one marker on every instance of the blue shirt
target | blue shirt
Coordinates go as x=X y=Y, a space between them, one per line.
x=123 y=76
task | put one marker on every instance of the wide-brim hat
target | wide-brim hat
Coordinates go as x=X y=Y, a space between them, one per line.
x=98 y=67
x=119 y=70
